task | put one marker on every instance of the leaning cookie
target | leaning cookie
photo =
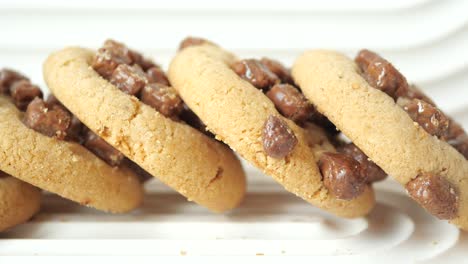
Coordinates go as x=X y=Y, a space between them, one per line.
x=19 y=201
x=395 y=124
x=252 y=106
x=127 y=100
x=41 y=145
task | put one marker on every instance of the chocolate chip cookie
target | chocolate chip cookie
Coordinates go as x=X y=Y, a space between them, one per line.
x=127 y=100
x=394 y=123
x=19 y=201
x=42 y=144
x=253 y=106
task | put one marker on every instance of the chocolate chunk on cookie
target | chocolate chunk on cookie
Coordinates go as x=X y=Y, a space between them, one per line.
x=109 y=57
x=256 y=73
x=342 y=175
x=7 y=78
x=426 y=115
x=23 y=92
x=435 y=194
x=102 y=149
x=370 y=170
x=157 y=75
x=51 y=121
x=163 y=99
x=129 y=79
x=278 y=69
x=381 y=74
x=278 y=139
x=290 y=102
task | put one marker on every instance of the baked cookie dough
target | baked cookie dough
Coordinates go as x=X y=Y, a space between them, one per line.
x=242 y=116
x=200 y=168
x=64 y=168
x=19 y=201
x=397 y=126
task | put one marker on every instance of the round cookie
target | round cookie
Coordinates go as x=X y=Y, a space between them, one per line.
x=236 y=112
x=19 y=201
x=383 y=130
x=200 y=168
x=64 y=168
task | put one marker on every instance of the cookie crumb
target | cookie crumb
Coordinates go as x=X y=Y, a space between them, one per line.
x=183 y=253
x=259 y=254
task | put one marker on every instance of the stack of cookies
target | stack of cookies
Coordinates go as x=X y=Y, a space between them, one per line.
x=326 y=131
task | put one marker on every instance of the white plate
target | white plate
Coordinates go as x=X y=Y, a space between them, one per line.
x=426 y=39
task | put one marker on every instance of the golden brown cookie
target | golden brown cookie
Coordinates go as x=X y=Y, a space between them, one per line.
x=19 y=201
x=200 y=168
x=64 y=168
x=434 y=173
x=236 y=113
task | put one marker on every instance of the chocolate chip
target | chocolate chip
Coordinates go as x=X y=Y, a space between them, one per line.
x=23 y=92
x=256 y=73
x=342 y=175
x=4 y=174
x=413 y=92
x=191 y=41
x=52 y=100
x=109 y=57
x=129 y=79
x=157 y=75
x=119 y=50
x=105 y=63
x=51 y=121
x=457 y=138
x=380 y=74
x=369 y=169
x=278 y=139
x=140 y=60
x=7 y=78
x=426 y=115
x=290 y=102
x=162 y=98
x=435 y=194
x=278 y=69
x=102 y=149
x=74 y=131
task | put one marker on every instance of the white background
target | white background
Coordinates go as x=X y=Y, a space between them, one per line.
x=426 y=39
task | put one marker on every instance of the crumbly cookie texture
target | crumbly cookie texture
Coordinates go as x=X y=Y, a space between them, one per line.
x=235 y=111
x=377 y=125
x=64 y=168
x=19 y=201
x=200 y=168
